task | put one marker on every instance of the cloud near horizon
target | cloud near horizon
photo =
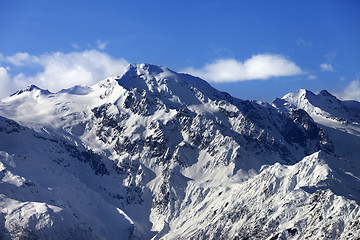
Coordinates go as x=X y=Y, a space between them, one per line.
x=258 y=67
x=58 y=70
x=351 y=91
x=5 y=82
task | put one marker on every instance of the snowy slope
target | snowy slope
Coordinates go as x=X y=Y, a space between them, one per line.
x=285 y=202
x=325 y=109
x=340 y=120
x=50 y=187
x=156 y=154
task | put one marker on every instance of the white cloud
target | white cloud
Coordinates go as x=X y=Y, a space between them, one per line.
x=6 y=84
x=101 y=45
x=21 y=59
x=4 y=76
x=62 y=70
x=351 y=92
x=261 y=66
x=326 y=67
x=302 y=42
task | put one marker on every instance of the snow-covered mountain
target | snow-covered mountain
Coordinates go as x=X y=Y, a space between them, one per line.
x=154 y=154
x=340 y=119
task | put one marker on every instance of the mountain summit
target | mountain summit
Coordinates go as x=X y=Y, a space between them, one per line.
x=154 y=154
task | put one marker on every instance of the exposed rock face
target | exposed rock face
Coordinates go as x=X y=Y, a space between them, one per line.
x=156 y=154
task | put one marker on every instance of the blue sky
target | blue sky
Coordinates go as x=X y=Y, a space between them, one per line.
x=251 y=49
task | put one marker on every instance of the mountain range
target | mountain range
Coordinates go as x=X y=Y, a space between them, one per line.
x=155 y=154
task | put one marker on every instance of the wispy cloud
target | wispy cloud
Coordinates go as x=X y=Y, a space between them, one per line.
x=261 y=66
x=351 y=92
x=303 y=43
x=75 y=46
x=326 y=67
x=312 y=77
x=101 y=44
x=330 y=57
x=342 y=78
x=59 y=70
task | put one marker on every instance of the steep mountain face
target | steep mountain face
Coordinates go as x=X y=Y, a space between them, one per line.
x=49 y=188
x=157 y=154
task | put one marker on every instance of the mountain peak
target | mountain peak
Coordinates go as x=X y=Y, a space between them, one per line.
x=143 y=76
x=306 y=95
x=325 y=93
x=31 y=88
x=303 y=94
x=142 y=69
x=159 y=79
x=299 y=95
x=328 y=96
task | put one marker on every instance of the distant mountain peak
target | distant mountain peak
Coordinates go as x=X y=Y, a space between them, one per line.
x=31 y=88
x=77 y=90
x=299 y=94
x=309 y=95
x=325 y=93
x=323 y=106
